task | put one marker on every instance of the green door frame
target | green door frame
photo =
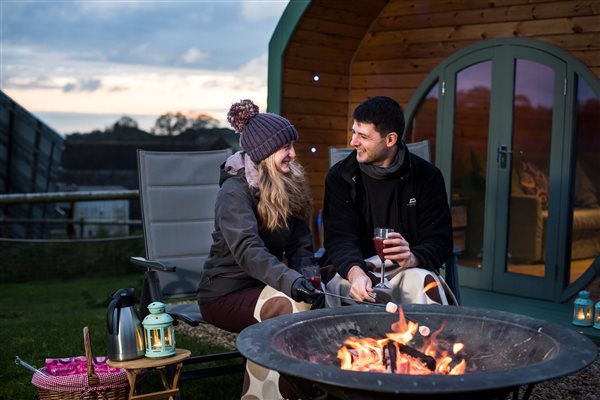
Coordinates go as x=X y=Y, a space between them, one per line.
x=556 y=282
x=277 y=45
x=501 y=132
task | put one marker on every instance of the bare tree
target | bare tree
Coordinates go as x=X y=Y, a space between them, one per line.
x=176 y=123
x=125 y=122
x=170 y=124
x=203 y=121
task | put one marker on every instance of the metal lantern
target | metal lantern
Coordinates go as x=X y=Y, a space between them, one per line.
x=597 y=315
x=583 y=309
x=159 y=332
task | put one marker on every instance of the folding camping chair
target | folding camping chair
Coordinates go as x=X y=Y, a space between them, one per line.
x=422 y=149
x=177 y=196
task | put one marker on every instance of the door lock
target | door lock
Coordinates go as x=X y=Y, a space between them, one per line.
x=501 y=155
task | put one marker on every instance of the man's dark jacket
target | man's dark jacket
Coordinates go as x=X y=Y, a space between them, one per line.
x=424 y=218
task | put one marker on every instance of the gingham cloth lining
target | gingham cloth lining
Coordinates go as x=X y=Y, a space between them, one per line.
x=79 y=383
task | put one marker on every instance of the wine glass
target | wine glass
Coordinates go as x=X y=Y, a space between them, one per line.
x=311 y=271
x=379 y=235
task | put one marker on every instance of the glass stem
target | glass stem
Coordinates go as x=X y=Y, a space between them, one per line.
x=382 y=272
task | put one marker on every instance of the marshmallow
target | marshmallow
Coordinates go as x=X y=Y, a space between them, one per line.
x=423 y=330
x=391 y=307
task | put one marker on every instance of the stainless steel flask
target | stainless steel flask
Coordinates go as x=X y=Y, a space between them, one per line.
x=125 y=338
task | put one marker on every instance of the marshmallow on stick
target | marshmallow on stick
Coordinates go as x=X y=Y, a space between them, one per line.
x=391 y=307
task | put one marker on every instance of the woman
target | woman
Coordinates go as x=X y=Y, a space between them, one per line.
x=260 y=220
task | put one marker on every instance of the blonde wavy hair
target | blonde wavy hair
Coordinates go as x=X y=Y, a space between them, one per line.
x=282 y=195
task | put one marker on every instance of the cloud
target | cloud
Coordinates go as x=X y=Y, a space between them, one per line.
x=136 y=57
x=256 y=67
x=141 y=32
x=83 y=85
x=30 y=82
x=255 y=11
x=117 y=89
x=193 y=56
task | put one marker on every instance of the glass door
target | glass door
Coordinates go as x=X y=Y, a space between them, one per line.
x=466 y=105
x=505 y=106
x=527 y=203
x=513 y=123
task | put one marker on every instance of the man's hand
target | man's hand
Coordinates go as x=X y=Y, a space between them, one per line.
x=397 y=250
x=360 y=284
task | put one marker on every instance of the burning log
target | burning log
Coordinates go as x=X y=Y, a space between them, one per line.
x=394 y=354
x=390 y=357
x=414 y=353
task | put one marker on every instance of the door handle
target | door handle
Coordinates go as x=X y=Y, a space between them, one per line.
x=502 y=155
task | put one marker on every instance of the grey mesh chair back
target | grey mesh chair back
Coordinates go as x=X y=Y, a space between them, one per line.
x=178 y=192
x=421 y=149
x=338 y=154
x=177 y=195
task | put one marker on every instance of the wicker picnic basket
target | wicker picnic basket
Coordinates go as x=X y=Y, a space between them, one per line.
x=90 y=386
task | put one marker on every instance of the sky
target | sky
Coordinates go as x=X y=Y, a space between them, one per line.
x=81 y=65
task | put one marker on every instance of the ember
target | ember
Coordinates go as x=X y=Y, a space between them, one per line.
x=394 y=355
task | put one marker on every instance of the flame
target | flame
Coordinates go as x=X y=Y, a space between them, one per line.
x=374 y=355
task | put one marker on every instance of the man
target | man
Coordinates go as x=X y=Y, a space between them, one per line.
x=381 y=184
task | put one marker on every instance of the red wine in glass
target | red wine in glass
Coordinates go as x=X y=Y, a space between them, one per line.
x=312 y=273
x=379 y=247
x=315 y=280
x=379 y=235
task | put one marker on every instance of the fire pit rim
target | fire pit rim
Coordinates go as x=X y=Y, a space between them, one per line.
x=251 y=342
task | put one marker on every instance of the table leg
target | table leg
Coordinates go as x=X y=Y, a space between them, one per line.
x=175 y=383
x=163 y=377
x=177 y=374
x=132 y=375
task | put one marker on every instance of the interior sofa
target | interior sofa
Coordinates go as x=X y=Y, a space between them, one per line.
x=528 y=222
x=529 y=215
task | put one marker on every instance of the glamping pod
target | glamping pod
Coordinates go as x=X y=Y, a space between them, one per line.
x=507 y=93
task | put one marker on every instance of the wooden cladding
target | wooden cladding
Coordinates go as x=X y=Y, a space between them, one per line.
x=471 y=12
x=360 y=49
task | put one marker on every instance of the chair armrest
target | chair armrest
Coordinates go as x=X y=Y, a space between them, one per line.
x=163 y=266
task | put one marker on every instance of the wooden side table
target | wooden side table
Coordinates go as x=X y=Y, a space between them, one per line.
x=135 y=368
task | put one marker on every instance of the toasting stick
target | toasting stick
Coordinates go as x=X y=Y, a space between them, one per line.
x=30 y=367
x=389 y=307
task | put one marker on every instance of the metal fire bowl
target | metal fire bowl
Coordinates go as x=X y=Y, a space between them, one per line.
x=503 y=351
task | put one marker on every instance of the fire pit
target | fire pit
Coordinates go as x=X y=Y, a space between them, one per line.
x=503 y=351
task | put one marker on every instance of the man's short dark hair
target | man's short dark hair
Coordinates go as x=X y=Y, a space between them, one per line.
x=383 y=112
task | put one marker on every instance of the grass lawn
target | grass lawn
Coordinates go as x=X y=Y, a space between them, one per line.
x=45 y=319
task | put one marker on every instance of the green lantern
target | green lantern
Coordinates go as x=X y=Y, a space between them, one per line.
x=583 y=309
x=597 y=315
x=159 y=332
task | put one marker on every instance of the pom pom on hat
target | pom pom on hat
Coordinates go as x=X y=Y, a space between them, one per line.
x=262 y=134
x=240 y=113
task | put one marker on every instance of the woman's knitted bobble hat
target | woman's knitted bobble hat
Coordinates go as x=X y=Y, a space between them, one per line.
x=262 y=134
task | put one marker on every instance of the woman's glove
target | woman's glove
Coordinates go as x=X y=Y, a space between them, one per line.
x=303 y=290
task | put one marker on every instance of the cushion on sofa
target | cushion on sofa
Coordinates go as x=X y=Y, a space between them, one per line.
x=534 y=181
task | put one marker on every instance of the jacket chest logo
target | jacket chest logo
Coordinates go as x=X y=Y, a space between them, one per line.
x=412 y=202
